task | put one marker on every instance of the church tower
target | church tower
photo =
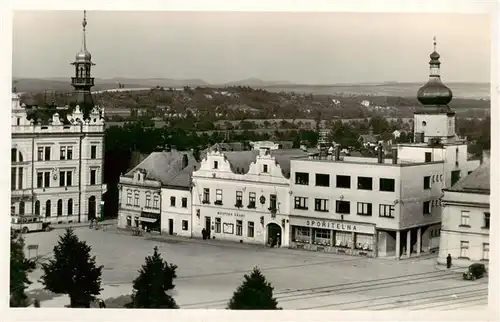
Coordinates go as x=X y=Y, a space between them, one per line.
x=82 y=82
x=434 y=119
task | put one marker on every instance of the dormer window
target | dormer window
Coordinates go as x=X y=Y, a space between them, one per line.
x=264 y=168
x=216 y=164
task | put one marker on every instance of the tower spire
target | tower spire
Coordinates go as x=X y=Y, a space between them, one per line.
x=84 y=24
x=432 y=39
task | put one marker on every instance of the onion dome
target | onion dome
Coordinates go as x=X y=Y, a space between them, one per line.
x=434 y=92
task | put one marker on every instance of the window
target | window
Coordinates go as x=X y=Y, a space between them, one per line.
x=427 y=182
x=47 y=208
x=365 y=183
x=148 y=200
x=47 y=153
x=37 y=207
x=93 y=175
x=172 y=201
x=70 y=207
x=13 y=176
x=364 y=242
x=46 y=179
x=322 y=235
x=386 y=211
x=218 y=196
x=69 y=178
x=464 y=249
x=239 y=198
x=40 y=153
x=156 y=201
x=59 y=207
x=428 y=156
x=62 y=153
x=302 y=178
x=216 y=164
x=129 y=197
x=65 y=178
x=69 y=153
x=321 y=205
x=239 y=228
x=206 y=195
x=464 y=219
x=301 y=203
x=364 y=209
x=264 y=168
x=136 y=198
x=250 y=231
x=322 y=180
x=343 y=182
x=387 y=184
x=486 y=251
x=184 y=225
x=13 y=155
x=93 y=151
x=301 y=234
x=426 y=208
x=273 y=204
x=455 y=176
x=486 y=220
x=21 y=208
x=251 y=200
x=343 y=239
x=343 y=207
x=217 y=225
x=184 y=202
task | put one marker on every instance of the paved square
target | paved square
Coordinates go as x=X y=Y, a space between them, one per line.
x=208 y=273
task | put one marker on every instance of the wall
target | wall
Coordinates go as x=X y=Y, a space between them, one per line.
x=437 y=125
x=177 y=213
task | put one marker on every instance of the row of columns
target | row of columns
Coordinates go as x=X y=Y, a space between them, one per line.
x=408 y=242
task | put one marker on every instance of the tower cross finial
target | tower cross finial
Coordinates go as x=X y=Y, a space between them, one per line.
x=84 y=24
x=434 y=43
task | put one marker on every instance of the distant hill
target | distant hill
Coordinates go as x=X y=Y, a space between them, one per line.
x=460 y=90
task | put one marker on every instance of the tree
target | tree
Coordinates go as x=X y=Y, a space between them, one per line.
x=255 y=293
x=20 y=266
x=154 y=280
x=73 y=271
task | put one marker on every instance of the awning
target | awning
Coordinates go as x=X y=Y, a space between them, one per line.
x=146 y=219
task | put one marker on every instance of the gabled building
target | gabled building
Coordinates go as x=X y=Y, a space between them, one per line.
x=57 y=154
x=243 y=196
x=140 y=189
x=465 y=228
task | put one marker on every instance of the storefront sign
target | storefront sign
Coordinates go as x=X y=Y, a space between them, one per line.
x=230 y=214
x=333 y=225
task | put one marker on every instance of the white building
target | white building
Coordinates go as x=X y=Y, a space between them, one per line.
x=465 y=229
x=140 y=202
x=243 y=196
x=57 y=157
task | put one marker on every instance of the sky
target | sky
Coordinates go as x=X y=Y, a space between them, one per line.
x=302 y=48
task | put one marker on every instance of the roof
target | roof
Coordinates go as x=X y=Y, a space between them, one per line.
x=476 y=182
x=183 y=178
x=368 y=138
x=163 y=166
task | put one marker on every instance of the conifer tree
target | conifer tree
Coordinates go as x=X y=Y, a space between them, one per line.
x=20 y=266
x=255 y=293
x=154 y=280
x=73 y=271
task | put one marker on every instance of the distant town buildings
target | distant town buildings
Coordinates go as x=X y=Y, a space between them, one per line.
x=57 y=157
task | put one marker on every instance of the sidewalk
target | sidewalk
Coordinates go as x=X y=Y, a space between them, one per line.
x=107 y=223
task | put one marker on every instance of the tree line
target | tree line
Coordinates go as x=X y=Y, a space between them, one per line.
x=73 y=271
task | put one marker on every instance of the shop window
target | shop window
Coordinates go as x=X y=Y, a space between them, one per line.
x=322 y=236
x=343 y=182
x=301 y=234
x=343 y=239
x=365 y=183
x=343 y=207
x=322 y=180
x=387 y=184
x=302 y=178
x=364 y=242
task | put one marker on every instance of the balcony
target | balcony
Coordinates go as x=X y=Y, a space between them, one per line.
x=21 y=195
x=79 y=81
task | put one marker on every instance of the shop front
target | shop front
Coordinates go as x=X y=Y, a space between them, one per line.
x=331 y=236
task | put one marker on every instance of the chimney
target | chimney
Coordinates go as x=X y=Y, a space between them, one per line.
x=380 y=154
x=394 y=155
x=337 y=153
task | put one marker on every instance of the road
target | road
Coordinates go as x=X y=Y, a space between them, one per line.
x=209 y=272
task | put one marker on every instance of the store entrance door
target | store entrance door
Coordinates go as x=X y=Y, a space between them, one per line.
x=274 y=235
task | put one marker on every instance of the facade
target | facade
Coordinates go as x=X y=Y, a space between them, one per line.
x=57 y=157
x=466 y=219
x=243 y=196
x=140 y=190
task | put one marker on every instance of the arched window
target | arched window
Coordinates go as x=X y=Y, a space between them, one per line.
x=70 y=207
x=47 y=208
x=37 y=207
x=21 y=208
x=59 y=207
